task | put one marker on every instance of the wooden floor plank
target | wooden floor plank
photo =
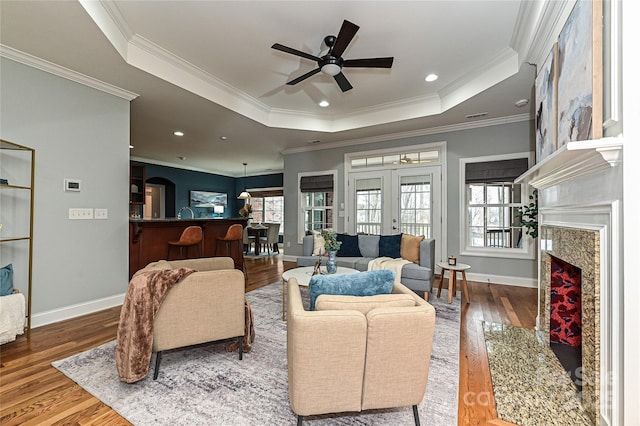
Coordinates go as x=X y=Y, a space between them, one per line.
x=34 y=392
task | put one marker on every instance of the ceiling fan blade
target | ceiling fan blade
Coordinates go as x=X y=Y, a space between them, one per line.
x=303 y=77
x=292 y=51
x=369 y=63
x=346 y=34
x=343 y=82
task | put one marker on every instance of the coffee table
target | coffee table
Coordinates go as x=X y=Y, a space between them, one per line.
x=303 y=276
x=453 y=271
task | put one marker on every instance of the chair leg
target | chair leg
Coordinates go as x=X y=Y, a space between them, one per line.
x=240 y=347
x=415 y=415
x=299 y=420
x=157 y=369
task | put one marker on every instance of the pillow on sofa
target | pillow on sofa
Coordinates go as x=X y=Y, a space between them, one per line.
x=389 y=246
x=6 y=280
x=349 y=247
x=367 y=283
x=327 y=302
x=410 y=247
x=369 y=245
x=318 y=243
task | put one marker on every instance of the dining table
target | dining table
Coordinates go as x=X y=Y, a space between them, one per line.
x=257 y=230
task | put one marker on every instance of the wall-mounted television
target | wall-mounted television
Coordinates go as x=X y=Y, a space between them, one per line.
x=207 y=199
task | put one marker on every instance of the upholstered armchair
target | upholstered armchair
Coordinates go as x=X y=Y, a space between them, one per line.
x=206 y=306
x=358 y=353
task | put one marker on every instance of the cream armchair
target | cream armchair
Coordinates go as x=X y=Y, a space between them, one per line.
x=207 y=305
x=358 y=353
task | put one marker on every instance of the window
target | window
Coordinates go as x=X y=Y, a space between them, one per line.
x=316 y=202
x=369 y=206
x=268 y=209
x=489 y=205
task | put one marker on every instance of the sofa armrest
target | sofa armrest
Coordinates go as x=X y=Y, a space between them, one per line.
x=428 y=254
x=204 y=263
x=399 y=345
x=307 y=245
x=326 y=356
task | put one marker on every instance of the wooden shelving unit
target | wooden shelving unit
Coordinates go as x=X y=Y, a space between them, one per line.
x=136 y=190
x=18 y=162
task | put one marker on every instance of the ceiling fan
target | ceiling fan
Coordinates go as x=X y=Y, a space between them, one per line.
x=332 y=62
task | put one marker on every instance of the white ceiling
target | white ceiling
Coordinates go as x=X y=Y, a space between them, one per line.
x=206 y=68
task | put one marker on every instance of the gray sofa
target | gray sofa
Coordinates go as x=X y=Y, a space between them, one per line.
x=418 y=278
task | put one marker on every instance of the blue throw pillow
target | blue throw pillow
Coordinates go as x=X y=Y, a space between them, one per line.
x=6 y=280
x=367 y=283
x=349 y=247
x=389 y=246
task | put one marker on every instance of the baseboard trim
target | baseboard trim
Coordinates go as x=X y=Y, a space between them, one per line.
x=503 y=280
x=289 y=258
x=72 y=311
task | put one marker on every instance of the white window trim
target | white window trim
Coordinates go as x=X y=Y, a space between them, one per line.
x=301 y=210
x=528 y=249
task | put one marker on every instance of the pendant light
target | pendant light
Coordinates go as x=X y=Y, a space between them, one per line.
x=244 y=195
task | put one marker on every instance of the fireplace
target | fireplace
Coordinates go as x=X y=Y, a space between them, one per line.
x=565 y=317
x=569 y=306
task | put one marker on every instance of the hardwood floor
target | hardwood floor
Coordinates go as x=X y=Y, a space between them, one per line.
x=32 y=392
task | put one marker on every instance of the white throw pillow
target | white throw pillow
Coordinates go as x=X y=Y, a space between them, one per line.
x=318 y=243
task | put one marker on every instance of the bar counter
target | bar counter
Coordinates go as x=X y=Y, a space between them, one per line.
x=148 y=239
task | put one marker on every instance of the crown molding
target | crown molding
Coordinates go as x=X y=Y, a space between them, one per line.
x=414 y=133
x=60 y=71
x=545 y=30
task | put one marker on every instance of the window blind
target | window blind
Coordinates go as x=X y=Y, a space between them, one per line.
x=319 y=183
x=495 y=171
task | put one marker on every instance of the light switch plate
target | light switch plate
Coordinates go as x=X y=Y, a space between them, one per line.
x=76 y=213
x=101 y=213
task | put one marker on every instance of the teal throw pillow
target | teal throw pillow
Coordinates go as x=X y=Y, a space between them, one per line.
x=389 y=246
x=349 y=246
x=367 y=283
x=6 y=280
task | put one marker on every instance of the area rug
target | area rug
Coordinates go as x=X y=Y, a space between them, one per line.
x=206 y=385
x=530 y=385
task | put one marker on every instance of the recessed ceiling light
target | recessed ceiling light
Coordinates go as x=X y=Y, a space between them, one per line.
x=323 y=104
x=178 y=133
x=223 y=138
x=130 y=146
x=522 y=102
x=430 y=78
x=182 y=158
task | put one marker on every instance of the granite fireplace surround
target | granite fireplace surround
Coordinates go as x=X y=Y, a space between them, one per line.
x=580 y=248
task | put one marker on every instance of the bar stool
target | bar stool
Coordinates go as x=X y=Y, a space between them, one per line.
x=191 y=236
x=234 y=235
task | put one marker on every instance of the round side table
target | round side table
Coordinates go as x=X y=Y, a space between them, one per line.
x=453 y=271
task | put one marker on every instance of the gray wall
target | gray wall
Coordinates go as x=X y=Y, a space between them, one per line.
x=82 y=133
x=491 y=140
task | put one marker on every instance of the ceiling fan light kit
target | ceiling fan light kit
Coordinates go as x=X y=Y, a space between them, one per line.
x=332 y=62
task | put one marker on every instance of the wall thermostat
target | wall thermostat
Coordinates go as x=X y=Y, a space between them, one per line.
x=72 y=185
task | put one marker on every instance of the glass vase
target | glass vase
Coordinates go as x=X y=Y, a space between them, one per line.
x=332 y=265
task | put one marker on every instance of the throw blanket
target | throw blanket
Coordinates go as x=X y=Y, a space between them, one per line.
x=12 y=314
x=145 y=293
x=249 y=331
x=388 y=263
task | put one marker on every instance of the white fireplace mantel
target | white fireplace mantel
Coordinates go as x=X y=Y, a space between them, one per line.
x=573 y=160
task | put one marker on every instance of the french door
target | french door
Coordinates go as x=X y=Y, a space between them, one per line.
x=393 y=201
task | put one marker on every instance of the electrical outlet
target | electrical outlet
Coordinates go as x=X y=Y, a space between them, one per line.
x=101 y=213
x=288 y=243
x=80 y=214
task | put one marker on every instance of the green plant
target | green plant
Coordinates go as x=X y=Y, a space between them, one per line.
x=331 y=242
x=528 y=215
